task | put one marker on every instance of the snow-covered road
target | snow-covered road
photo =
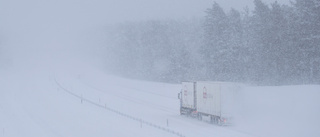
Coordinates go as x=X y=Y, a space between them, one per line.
x=92 y=103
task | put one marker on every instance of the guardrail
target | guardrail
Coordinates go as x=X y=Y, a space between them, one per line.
x=121 y=113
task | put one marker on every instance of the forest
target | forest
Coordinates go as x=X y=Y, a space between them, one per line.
x=273 y=44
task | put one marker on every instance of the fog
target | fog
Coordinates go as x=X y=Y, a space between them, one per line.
x=59 y=61
x=45 y=30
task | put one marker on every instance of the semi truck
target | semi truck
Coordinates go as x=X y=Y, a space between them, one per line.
x=214 y=102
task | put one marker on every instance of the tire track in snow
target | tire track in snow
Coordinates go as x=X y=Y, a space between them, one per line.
x=138 y=90
x=121 y=113
x=138 y=101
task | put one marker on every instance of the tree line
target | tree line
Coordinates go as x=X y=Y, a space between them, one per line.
x=270 y=45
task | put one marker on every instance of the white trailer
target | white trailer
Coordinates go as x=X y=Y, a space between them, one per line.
x=216 y=101
x=187 y=98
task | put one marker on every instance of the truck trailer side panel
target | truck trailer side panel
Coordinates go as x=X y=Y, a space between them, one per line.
x=187 y=95
x=216 y=98
x=208 y=101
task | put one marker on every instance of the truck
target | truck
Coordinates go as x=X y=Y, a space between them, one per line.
x=187 y=98
x=214 y=102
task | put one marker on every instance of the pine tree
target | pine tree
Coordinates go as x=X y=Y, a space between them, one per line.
x=234 y=57
x=261 y=38
x=249 y=52
x=215 y=26
x=309 y=27
x=277 y=44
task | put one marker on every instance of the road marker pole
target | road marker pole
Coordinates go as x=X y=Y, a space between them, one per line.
x=167 y=122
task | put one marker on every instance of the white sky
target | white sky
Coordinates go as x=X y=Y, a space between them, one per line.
x=57 y=12
x=54 y=24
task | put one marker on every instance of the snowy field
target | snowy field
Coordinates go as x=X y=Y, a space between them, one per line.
x=91 y=103
x=46 y=89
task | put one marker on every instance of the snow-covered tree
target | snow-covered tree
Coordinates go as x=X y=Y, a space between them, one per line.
x=215 y=39
x=274 y=45
x=308 y=12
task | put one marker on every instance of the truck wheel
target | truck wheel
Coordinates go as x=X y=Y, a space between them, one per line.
x=211 y=119
x=219 y=122
x=200 y=117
